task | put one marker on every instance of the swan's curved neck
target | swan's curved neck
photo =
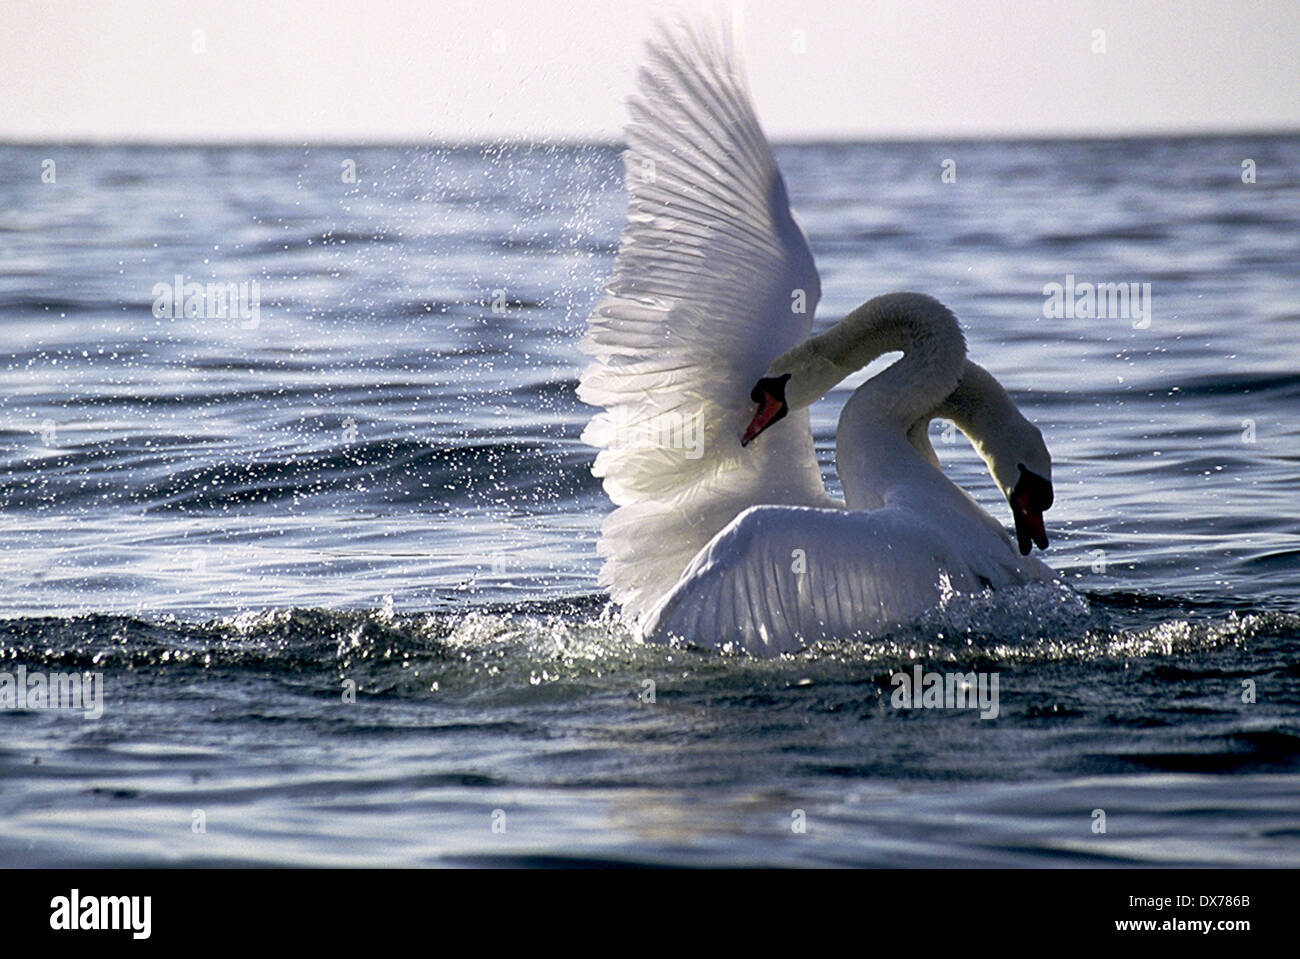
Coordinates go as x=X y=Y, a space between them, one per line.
x=934 y=354
x=881 y=411
x=1000 y=433
x=918 y=325
x=872 y=451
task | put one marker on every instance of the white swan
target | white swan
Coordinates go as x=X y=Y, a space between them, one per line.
x=724 y=534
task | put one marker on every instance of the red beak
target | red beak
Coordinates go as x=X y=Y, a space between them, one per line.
x=1029 y=524
x=770 y=409
x=1029 y=500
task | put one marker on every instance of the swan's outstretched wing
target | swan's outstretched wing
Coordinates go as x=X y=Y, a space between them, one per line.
x=779 y=578
x=713 y=280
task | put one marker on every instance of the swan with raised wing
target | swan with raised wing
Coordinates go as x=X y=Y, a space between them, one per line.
x=731 y=540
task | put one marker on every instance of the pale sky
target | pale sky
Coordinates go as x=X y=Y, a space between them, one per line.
x=384 y=70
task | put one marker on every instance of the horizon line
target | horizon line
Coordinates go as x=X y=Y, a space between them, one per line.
x=598 y=142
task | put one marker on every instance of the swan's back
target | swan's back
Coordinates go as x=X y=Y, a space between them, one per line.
x=780 y=577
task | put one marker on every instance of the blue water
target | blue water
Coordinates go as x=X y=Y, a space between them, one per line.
x=380 y=483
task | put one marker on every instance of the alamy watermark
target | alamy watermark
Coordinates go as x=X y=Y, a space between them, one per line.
x=208 y=301
x=1099 y=301
x=922 y=690
x=21 y=689
x=75 y=912
x=662 y=431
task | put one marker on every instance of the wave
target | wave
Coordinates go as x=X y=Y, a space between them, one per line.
x=394 y=470
x=582 y=639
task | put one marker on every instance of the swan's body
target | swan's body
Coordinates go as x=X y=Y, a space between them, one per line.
x=709 y=311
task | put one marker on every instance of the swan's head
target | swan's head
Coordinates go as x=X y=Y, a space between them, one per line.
x=800 y=376
x=795 y=380
x=1011 y=447
x=1022 y=468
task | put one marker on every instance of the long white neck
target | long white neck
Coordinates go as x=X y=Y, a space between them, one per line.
x=911 y=322
x=872 y=452
x=1000 y=433
x=883 y=409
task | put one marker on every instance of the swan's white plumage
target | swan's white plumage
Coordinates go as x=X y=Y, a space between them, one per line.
x=714 y=286
x=778 y=578
x=713 y=280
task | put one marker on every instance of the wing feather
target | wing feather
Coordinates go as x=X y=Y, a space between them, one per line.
x=702 y=299
x=779 y=578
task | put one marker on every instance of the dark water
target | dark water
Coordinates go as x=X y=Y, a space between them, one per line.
x=379 y=482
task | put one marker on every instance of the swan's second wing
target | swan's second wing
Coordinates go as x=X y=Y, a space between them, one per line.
x=713 y=280
x=779 y=578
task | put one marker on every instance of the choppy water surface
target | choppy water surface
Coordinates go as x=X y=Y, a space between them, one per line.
x=379 y=482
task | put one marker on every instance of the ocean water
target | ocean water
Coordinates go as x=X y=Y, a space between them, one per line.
x=335 y=558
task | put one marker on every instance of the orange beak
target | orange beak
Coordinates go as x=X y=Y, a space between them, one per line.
x=769 y=394
x=770 y=409
x=1029 y=524
x=1029 y=500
